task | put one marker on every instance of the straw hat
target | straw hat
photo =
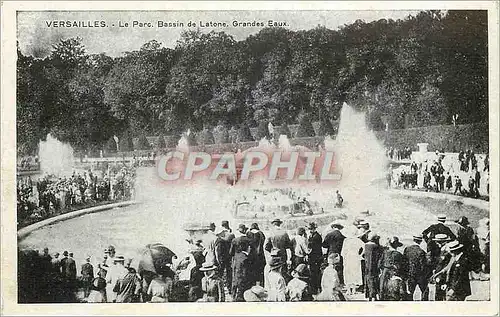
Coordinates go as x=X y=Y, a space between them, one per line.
x=255 y=294
x=207 y=266
x=441 y=217
x=302 y=271
x=119 y=258
x=441 y=237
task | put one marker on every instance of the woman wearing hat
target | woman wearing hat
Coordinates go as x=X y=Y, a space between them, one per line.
x=211 y=285
x=255 y=294
x=98 y=286
x=331 y=288
x=160 y=288
x=298 y=289
x=276 y=285
x=392 y=263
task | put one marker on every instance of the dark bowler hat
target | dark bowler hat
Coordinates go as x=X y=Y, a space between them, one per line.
x=277 y=221
x=65 y=253
x=312 y=226
x=225 y=223
x=242 y=227
x=395 y=243
x=254 y=226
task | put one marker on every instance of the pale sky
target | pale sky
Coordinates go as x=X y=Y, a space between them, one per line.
x=34 y=34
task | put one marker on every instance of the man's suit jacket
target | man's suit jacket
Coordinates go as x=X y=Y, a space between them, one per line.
x=458 y=277
x=68 y=267
x=315 y=244
x=239 y=244
x=241 y=271
x=417 y=262
x=334 y=240
x=257 y=240
x=280 y=240
x=437 y=228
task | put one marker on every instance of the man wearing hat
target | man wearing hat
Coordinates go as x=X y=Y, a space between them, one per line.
x=68 y=267
x=211 y=285
x=469 y=240
x=430 y=233
x=242 y=279
x=333 y=242
x=87 y=275
x=392 y=263
x=209 y=252
x=226 y=237
x=241 y=241
x=418 y=271
x=279 y=239
x=438 y=264
x=315 y=256
x=257 y=240
x=436 y=228
x=458 y=283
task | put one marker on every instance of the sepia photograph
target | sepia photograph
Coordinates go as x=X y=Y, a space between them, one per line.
x=198 y=156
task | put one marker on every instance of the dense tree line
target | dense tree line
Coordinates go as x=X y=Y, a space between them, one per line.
x=413 y=72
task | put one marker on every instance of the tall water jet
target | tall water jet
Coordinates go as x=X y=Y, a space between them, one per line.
x=55 y=157
x=360 y=156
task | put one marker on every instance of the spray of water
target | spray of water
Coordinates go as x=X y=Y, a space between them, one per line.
x=165 y=209
x=55 y=157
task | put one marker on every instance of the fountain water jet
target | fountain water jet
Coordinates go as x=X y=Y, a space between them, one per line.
x=55 y=157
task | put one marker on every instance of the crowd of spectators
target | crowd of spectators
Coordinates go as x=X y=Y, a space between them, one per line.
x=51 y=195
x=28 y=163
x=435 y=176
x=249 y=265
x=399 y=154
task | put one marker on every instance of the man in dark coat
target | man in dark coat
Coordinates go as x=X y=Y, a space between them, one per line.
x=257 y=239
x=430 y=233
x=68 y=267
x=458 y=283
x=279 y=239
x=227 y=238
x=315 y=258
x=239 y=243
x=333 y=242
x=242 y=280
x=87 y=276
x=417 y=268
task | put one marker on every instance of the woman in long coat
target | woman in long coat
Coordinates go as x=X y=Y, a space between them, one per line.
x=391 y=263
x=372 y=252
x=351 y=252
x=330 y=281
